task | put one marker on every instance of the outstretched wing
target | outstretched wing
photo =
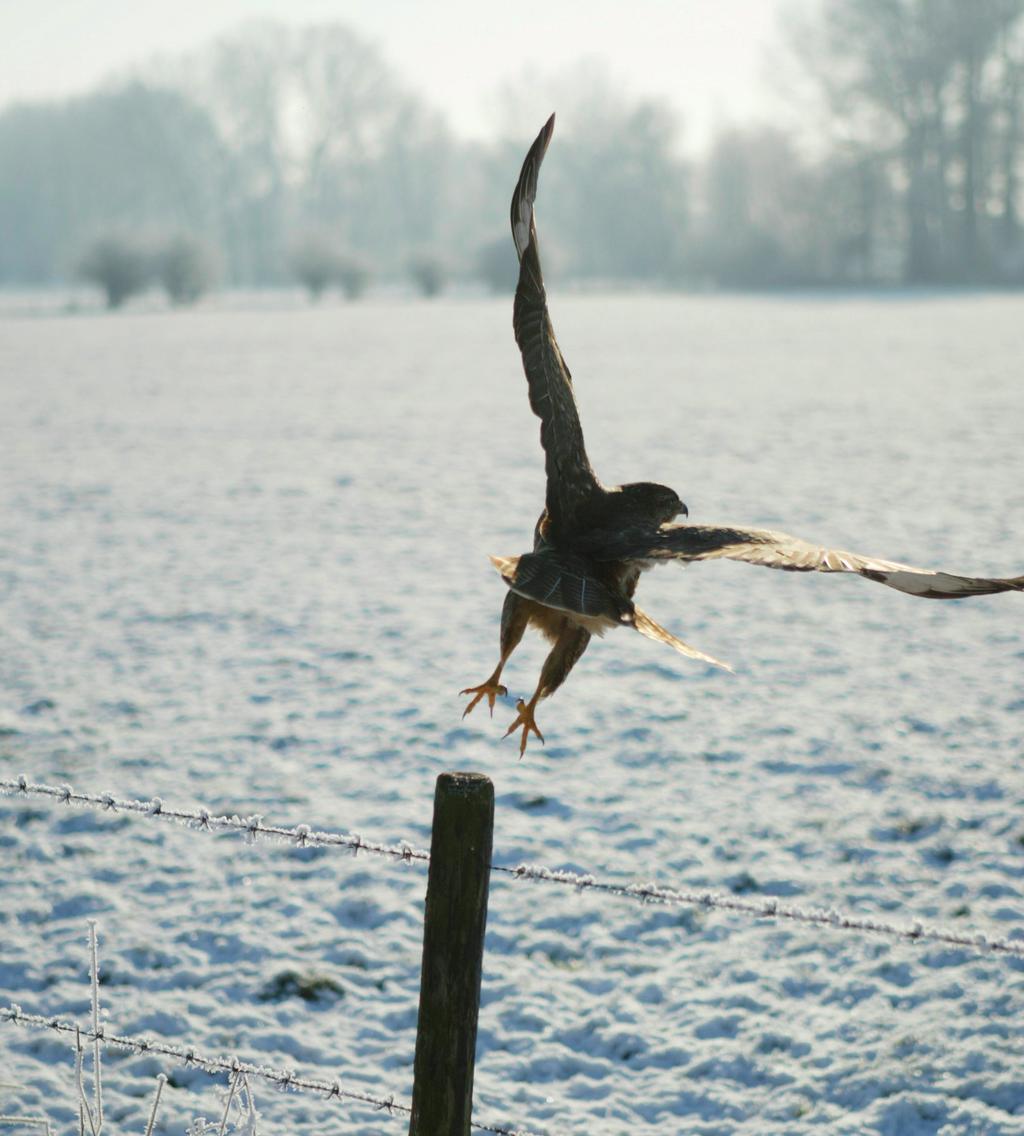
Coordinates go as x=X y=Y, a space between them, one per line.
x=570 y=480
x=790 y=553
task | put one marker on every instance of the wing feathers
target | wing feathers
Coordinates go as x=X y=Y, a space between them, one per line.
x=526 y=190
x=789 y=553
x=570 y=479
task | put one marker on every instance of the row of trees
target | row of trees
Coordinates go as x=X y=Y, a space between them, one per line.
x=122 y=265
x=925 y=100
x=278 y=147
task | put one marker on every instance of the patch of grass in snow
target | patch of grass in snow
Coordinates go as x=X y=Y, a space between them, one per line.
x=309 y=986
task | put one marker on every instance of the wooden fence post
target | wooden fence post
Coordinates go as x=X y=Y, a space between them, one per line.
x=453 y=951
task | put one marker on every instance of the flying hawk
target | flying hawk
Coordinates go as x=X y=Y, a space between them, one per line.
x=592 y=541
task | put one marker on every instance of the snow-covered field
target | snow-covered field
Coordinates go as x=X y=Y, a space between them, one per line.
x=243 y=565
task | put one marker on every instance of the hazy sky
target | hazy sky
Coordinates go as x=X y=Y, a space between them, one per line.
x=705 y=56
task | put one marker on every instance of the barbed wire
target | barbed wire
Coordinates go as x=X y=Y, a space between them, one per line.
x=767 y=908
x=284 y=1078
x=303 y=835
x=251 y=827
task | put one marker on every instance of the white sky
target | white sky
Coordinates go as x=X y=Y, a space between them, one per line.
x=707 y=57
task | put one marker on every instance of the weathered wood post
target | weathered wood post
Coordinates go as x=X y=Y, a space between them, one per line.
x=453 y=951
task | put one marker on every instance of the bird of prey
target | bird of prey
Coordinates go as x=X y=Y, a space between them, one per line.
x=592 y=541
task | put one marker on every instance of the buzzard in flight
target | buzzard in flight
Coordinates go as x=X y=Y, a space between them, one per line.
x=592 y=541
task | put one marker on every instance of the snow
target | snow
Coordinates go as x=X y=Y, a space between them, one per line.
x=243 y=569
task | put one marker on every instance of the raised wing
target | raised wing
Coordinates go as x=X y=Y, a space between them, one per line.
x=790 y=553
x=570 y=479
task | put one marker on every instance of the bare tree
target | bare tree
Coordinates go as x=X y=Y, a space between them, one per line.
x=241 y=81
x=321 y=134
x=920 y=80
x=372 y=160
x=761 y=223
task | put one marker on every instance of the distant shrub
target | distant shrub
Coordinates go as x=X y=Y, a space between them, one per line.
x=185 y=268
x=318 y=263
x=497 y=266
x=352 y=275
x=118 y=265
x=428 y=273
x=313 y=262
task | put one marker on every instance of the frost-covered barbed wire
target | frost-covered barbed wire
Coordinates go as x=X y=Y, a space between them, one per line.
x=286 y=1079
x=202 y=819
x=253 y=826
x=767 y=908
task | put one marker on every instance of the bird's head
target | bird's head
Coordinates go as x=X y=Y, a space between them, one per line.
x=656 y=503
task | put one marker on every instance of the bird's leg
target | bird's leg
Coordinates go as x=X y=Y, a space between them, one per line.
x=569 y=646
x=513 y=623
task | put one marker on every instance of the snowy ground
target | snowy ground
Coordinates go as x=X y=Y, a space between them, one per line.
x=243 y=564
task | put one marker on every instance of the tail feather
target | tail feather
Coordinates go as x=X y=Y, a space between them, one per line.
x=647 y=627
